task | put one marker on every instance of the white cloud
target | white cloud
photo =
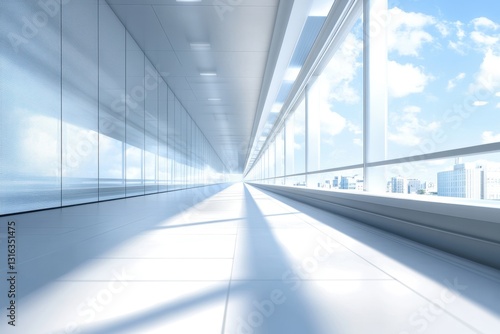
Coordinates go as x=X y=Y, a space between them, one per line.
x=488 y=76
x=498 y=106
x=489 y=137
x=484 y=22
x=460 y=30
x=453 y=82
x=438 y=162
x=443 y=29
x=342 y=70
x=407 y=127
x=480 y=103
x=358 y=141
x=482 y=39
x=332 y=123
x=459 y=46
x=405 y=79
x=484 y=35
x=412 y=109
x=354 y=128
x=41 y=144
x=406 y=31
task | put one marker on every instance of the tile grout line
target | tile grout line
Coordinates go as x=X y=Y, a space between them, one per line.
x=224 y=318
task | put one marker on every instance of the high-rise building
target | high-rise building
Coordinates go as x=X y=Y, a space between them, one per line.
x=414 y=186
x=351 y=183
x=464 y=181
x=399 y=185
x=491 y=184
x=335 y=183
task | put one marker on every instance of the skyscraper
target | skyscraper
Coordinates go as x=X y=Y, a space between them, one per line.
x=464 y=181
x=399 y=185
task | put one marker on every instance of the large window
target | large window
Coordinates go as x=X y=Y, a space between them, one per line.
x=444 y=75
x=406 y=102
x=335 y=107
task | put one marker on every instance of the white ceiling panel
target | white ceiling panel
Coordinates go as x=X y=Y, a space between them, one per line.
x=184 y=39
x=177 y=83
x=142 y=23
x=245 y=28
x=166 y=62
x=230 y=3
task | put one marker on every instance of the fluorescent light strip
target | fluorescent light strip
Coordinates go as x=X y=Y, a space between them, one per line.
x=200 y=46
x=208 y=74
x=214 y=99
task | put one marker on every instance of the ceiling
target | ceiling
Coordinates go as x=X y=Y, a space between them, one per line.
x=229 y=38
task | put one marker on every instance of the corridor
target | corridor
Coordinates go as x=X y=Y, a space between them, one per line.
x=236 y=260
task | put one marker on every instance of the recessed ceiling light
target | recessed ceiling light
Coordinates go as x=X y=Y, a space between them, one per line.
x=208 y=74
x=200 y=46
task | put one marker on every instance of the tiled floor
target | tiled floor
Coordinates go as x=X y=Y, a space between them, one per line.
x=235 y=260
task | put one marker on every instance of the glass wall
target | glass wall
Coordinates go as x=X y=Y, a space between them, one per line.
x=406 y=103
x=84 y=114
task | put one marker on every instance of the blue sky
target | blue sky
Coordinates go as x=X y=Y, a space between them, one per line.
x=451 y=72
x=444 y=85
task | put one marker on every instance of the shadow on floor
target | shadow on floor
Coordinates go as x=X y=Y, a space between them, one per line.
x=294 y=315
x=364 y=234
x=37 y=272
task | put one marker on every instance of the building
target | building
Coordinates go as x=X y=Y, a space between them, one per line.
x=399 y=185
x=470 y=180
x=160 y=161
x=414 y=186
x=464 y=181
x=335 y=182
x=491 y=184
x=351 y=183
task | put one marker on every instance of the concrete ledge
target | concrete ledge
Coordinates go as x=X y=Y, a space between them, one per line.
x=454 y=226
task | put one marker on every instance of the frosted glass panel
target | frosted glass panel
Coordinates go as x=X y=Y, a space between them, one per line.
x=134 y=132
x=171 y=139
x=80 y=145
x=151 y=129
x=84 y=114
x=111 y=105
x=162 y=133
x=30 y=109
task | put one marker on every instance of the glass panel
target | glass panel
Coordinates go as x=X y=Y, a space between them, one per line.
x=111 y=105
x=80 y=118
x=134 y=118
x=30 y=108
x=444 y=78
x=280 y=153
x=171 y=140
x=299 y=139
x=336 y=107
x=472 y=177
x=272 y=159
x=151 y=120
x=346 y=180
x=163 y=110
x=188 y=152
x=177 y=137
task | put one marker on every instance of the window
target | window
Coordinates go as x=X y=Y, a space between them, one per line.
x=443 y=76
x=335 y=107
